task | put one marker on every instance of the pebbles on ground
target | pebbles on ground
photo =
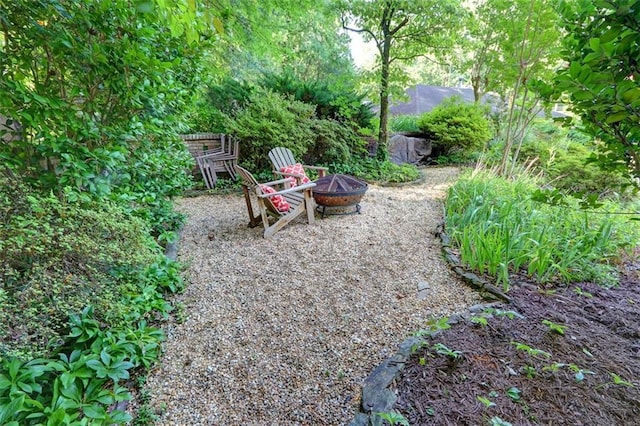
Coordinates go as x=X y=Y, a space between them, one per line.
x=284 y=331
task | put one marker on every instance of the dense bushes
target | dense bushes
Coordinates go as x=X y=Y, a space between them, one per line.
x=317 y=120
x=270 y=120
x=56 y=258
x=80 y=286
x=500 y=230
x=456 y=126
x=563 y=157
x=85 y=197
x=333 y=102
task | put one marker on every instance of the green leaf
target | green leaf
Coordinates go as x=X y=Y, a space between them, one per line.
x=582 y=95
x=94 y=411
x=15 y=406
x=594 y=43
x=574 y=69
x=144 y=6
x=631 y=95
x=514 y=393
x=218 y=25
x=617 y=117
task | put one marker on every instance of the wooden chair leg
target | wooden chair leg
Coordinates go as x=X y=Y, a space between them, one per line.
x=253 y=219
x=309 y=206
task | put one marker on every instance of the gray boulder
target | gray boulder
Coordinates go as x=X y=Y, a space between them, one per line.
x=406 y=149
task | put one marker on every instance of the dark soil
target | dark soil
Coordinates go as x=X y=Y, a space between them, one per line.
x=589 y=377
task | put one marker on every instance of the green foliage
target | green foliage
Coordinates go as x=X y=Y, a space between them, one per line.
x=394 y=418
x=565 y=159
x=337 y=102
x=374 y=170
x=442 y=349
x=456 y=126
x=404 y=123
x=334 y=142
x=56 y=258
x=271 y=120
x=602 y=79
x=95 y=88
x=500 y=229
x=555 y=327
x=80 y=384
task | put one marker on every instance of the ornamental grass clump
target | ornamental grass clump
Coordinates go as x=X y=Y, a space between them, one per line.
x=500 y=230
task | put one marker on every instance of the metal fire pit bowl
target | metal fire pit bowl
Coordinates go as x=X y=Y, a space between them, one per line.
x=338 y=193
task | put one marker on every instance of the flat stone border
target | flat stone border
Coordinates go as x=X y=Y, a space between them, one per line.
x=376 y=395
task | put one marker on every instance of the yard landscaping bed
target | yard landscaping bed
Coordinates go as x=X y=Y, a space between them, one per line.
x=562 y=356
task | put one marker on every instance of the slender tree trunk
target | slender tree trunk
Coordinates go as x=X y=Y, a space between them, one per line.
x=382 y=152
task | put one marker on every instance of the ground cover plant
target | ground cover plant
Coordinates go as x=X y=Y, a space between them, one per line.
x=90 y=164
x=500 y=230
x=564 y=348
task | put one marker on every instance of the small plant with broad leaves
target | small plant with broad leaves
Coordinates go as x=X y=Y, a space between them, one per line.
x=485 y=401
x=536 y=353
x=442 y=349
x=434 y=326
x=497 y=421
x=394 y=418
x=579 y=373
x=514 y=393
x=555 y=327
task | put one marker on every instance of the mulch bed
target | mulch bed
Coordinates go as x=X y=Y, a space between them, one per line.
x=589 y=377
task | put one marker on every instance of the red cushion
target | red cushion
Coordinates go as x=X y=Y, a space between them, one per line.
x=295 y=169
x=278 y=200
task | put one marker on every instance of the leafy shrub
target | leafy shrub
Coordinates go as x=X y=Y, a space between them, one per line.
x=500 y=230
x=270 y=120
x=404 y=123
x=56 y=258
x=566 y=165
x=333 y=143
x=230 y=96
x=374 y=170
x=333 y=102
x=455 y=126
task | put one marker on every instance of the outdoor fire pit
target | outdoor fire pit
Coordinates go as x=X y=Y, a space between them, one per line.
x=339 y=193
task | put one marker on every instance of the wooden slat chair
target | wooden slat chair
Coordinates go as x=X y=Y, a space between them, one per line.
x=282 y=157
x=223 y=159
x=300 y=198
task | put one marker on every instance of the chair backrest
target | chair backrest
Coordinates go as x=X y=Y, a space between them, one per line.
x=281 y=157
x=253 y=186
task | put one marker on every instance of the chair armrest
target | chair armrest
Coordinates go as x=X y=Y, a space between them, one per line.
x=326 y=169
x=276 y=182
x=222 y=156
x=213 y=151
x=322 y=171
x=300 y=188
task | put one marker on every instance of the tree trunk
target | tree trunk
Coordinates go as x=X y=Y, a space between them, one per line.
x=382 y=153
x=385 y=54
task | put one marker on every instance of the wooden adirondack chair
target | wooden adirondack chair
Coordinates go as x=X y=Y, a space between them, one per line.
x=282 y=157
x=222 y=159
x=300 y=199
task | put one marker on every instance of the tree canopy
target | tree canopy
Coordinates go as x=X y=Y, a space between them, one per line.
x=602 y=76
x=402 y=31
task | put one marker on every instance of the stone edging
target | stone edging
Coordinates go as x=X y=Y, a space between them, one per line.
x=376 y=395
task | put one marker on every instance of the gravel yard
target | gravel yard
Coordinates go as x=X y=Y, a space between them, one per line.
x=284 y=331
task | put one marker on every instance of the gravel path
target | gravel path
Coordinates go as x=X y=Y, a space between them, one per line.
x=284 y=331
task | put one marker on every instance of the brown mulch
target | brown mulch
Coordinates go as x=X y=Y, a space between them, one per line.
x=590 y=377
